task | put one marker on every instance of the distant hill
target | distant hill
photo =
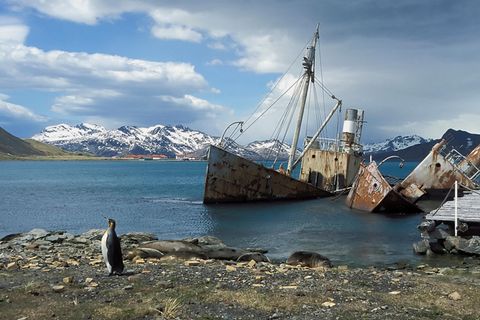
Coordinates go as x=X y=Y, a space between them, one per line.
x=13 y=147
x=462 y=141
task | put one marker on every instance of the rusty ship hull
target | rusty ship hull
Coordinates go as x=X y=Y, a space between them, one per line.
x=437 y=173
x=371 y=192
x=231 y=178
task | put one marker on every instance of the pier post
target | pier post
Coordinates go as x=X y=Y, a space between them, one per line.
x=456 y=208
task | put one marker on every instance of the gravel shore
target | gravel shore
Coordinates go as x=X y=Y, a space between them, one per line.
x=56 y=275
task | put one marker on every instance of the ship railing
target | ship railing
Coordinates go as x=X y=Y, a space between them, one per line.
x=462 y=164
x=329 y=144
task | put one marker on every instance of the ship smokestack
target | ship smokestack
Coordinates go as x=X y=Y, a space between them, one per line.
x=352 y=128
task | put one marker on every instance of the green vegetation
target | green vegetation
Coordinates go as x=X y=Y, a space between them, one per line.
x=14 y=148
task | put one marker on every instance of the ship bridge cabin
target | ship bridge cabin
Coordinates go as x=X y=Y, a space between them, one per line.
x=332 y=164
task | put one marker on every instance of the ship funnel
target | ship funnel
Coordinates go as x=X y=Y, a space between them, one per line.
x=352 y=129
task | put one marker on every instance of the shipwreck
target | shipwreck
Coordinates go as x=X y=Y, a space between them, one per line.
x=437 y=173
x=372 y=192
x=434 y=176
x=322 y=168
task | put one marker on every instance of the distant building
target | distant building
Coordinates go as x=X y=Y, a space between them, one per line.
x=145 y=157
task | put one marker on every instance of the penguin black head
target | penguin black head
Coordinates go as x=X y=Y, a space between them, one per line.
x=111 y=223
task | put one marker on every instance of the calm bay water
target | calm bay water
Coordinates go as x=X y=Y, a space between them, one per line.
x=165 y=198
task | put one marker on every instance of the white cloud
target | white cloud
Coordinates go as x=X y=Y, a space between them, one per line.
x=214 y=62
x=397 y=60
x=217 y=46
x=11 y=110
x=82 y=102
x=81 y=11
x=176 y=33
x=113 y=88
x=24 y=66
x=262 y=46
x=12 y=30
x=194 y=103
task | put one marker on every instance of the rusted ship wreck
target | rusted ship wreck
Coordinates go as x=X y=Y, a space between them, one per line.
x=372 y=192
x=434 y=176
x=326 y=165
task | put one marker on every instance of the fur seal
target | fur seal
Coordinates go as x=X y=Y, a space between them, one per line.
x=111 y=250
x=308 y=259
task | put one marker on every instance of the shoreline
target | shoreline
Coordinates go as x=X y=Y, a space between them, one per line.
x=60 y=275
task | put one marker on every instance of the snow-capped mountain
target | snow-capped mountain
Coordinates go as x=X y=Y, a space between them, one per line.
x=168 y=140
x=159 y=139
x=178 y=140
x=269 y=149
x=394 y=144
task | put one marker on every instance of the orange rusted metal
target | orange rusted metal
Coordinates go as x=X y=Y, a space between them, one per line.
x=328 y=169
x=371 y=192
x=437 y=173
x=470 y=166
x=231 y=178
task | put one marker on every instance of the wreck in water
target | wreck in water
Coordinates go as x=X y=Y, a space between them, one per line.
x=372 y=192
x=326 y=165
x=437 y=173
x=434 y=176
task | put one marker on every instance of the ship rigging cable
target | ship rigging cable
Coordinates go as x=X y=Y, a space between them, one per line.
x=285 y=120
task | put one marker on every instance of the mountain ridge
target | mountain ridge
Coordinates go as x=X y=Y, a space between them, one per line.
x=180 y=141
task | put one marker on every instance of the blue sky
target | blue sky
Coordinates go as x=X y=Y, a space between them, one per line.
x=413 y=66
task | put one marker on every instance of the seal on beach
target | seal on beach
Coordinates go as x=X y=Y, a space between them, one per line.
x=111 y=250
x=308 y=259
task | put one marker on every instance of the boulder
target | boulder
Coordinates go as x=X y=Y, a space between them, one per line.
x=144 y=253
x=436 y=247
x=9 y=237
x=137 y=237
x=308 y=259
x=421 y=247
x=169 y=246
x=451 y=243
x=439 y=234
x=226 y=253
x=93 y=234
x=469 y=246
x=206 y=241
x=182 y=255
x=38 y=233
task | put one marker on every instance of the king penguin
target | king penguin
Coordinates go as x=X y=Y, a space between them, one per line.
x=111 y=250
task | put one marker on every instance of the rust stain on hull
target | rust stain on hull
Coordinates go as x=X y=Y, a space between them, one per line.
x=371 y=192
x=335 y=170
x=231 y=178
x=438 y=173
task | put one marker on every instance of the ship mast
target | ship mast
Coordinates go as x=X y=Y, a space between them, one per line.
x=308 y=64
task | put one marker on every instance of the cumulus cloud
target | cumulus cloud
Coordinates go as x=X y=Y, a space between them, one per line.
x=176 y=33
x=110 y=88
x=12 y=30
x=26 y=66
x=81 y=11
x=14 y=111
x=406 y=63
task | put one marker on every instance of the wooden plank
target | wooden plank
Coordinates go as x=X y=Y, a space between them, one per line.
x=468 y=210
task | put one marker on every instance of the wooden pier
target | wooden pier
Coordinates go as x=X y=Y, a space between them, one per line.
x=468 y=209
